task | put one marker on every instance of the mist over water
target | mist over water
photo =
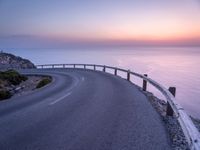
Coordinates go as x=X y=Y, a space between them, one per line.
x=170 y=66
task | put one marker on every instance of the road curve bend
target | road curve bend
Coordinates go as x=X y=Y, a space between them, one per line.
x=81 y=110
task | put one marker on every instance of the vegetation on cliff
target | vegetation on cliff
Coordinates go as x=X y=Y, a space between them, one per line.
x=9 y=79
x=43 y=82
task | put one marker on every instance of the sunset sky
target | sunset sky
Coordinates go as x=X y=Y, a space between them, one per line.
x=57 y=23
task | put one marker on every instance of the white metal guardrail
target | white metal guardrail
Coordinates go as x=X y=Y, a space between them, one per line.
x=190 y=131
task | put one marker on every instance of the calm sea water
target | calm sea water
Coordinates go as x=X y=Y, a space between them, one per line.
x=171 y=66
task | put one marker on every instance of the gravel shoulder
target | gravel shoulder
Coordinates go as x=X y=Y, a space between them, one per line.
x=172 y=125
x=27 y=86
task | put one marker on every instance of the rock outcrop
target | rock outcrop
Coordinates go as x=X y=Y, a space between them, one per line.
x=10 y=61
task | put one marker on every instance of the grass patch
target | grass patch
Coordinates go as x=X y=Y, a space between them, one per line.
x=13 y=77
x=43 y=82
x=4 y=94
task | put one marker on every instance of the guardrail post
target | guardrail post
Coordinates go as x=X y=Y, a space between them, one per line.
x=94 y=67
x=63 y=65
x=42 y=66
x=52 y=66
x=144 y=87
x=169 y=110
x=104 y=68
x=115 y=71
x=84 y=66
x=128 y=75
x=74 y=66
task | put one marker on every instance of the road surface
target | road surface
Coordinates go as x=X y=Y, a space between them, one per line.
x=81 y=110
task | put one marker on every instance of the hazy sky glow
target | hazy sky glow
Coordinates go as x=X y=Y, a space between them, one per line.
x=60 y=22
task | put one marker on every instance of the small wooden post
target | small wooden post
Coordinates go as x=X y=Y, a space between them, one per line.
x=52 y=66
x=42 y=66
x=63 y=65
x=169 y=110
x=74 y=66
x=145 y=83
x=84 y=66
x=104 y=68
x=115 y=71
x=94 y=67
x=128 y=75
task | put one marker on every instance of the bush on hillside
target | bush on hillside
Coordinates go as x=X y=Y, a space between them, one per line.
x=43 y=82
x=4 y=94
x=13 y=77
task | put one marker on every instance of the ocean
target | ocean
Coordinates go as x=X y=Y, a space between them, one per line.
x=170 y=66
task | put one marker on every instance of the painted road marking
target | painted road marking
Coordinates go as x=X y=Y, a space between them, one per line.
x=61 y=98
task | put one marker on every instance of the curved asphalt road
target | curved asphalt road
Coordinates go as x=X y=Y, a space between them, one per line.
x=81 y=110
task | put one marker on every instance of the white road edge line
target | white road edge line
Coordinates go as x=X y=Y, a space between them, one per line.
x=61 y=98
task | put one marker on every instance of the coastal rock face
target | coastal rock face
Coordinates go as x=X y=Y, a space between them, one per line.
x=8 y=61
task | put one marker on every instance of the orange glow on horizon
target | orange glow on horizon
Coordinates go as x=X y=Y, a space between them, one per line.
x=149 y=32
x=155 y=29
x=126 y=37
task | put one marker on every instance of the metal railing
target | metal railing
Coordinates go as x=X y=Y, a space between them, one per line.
x=173 y=109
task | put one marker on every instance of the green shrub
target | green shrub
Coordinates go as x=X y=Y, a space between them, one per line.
x=13 y=77
x=43 y=82
x=4 y=94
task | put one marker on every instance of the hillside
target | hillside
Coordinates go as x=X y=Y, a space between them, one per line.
x=8 y=61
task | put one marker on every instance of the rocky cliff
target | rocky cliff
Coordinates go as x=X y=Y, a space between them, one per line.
x=8 y=61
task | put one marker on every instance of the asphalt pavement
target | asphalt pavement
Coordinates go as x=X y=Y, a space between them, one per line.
x=81 y=110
